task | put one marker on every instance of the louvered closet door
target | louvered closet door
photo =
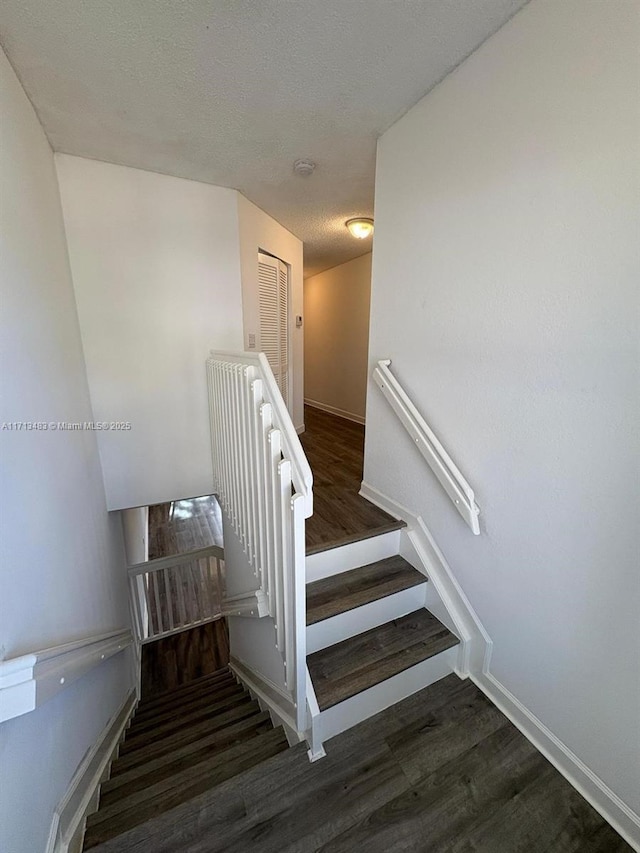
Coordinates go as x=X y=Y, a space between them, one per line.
x=273 y=291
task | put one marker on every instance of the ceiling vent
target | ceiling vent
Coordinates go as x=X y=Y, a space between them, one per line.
x=304 y=168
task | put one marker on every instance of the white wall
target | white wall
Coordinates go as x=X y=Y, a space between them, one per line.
x=336 y=338
x=155 y=263
x=258 y=231
x=62 y=554
x=252 y=641
x=135 y=528
x=505 y=291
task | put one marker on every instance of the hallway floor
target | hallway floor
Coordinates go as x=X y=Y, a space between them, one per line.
x=442 y=772
x=335 y=449
x=181 y=526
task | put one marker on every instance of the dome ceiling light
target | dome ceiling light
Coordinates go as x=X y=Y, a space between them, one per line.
x=360 y=227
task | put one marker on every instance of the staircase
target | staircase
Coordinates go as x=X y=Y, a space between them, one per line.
x=181 y=744
x=371 y=641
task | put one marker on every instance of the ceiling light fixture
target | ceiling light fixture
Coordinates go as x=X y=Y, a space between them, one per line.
x=360 y=227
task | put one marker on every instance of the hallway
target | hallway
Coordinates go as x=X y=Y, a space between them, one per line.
x=335 y=450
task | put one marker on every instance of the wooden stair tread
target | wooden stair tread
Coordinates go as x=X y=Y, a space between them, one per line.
x=358 y=663
x=348 y=537
x=135 y=741
x=342 y=592
x=142 y=805
x=193 y=686
x=155 y=748
x=170 y=763
x=189 y=706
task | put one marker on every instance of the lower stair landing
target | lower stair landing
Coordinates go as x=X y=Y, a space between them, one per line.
x=443 y=770
x=179 y=745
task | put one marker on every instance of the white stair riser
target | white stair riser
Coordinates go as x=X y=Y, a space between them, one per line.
x=361 y=619
x=352 y=711
x=352 y=556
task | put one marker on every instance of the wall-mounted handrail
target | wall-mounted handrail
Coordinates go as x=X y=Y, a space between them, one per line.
x=174 y=593
x=27 y=681
x=442 y=465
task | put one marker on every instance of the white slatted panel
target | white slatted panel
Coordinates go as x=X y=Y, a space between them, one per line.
x=273 y=296
x=283 y=330
x=268 y=297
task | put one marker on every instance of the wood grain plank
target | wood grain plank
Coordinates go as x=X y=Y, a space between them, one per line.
x=430 y=814
x=335 y=449
x=345 y=591
x=187 y=706
x=149 y=707
x=442 y=733
x=166 y=794
x=174 y=661
x=236 y=712
x=173 y=763
x=492 y=793
x=294 y=817
x=163 y=733
x=354 y=665
x=219 y=738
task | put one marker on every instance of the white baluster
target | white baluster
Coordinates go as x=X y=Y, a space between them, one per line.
x=275 y=450
x=267 y=500
x=299 y=580
x=286 y=588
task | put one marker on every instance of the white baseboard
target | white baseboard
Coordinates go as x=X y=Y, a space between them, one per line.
x=332 y=410
x=300 y=429
x=625 y=821
x=81 y=798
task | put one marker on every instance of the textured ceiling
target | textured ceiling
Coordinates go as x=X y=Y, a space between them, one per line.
x=231 y=92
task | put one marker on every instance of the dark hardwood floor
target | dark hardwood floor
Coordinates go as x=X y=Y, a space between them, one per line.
x=343 y=592
x=173 y=661
x=181 y=526
x=335 y=449
x=441 y=772
x=168 y=663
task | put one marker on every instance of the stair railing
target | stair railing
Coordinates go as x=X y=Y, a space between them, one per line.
x=442 y=465
x=264 y=485
x=172 y=594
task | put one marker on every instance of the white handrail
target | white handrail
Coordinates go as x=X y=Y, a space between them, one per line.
x=442 y=465
x=174 y=593
x=26 y=682
x=264 y=485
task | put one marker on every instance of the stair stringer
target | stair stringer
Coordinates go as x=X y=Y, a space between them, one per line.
x=446 y=601
x=270 y=697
